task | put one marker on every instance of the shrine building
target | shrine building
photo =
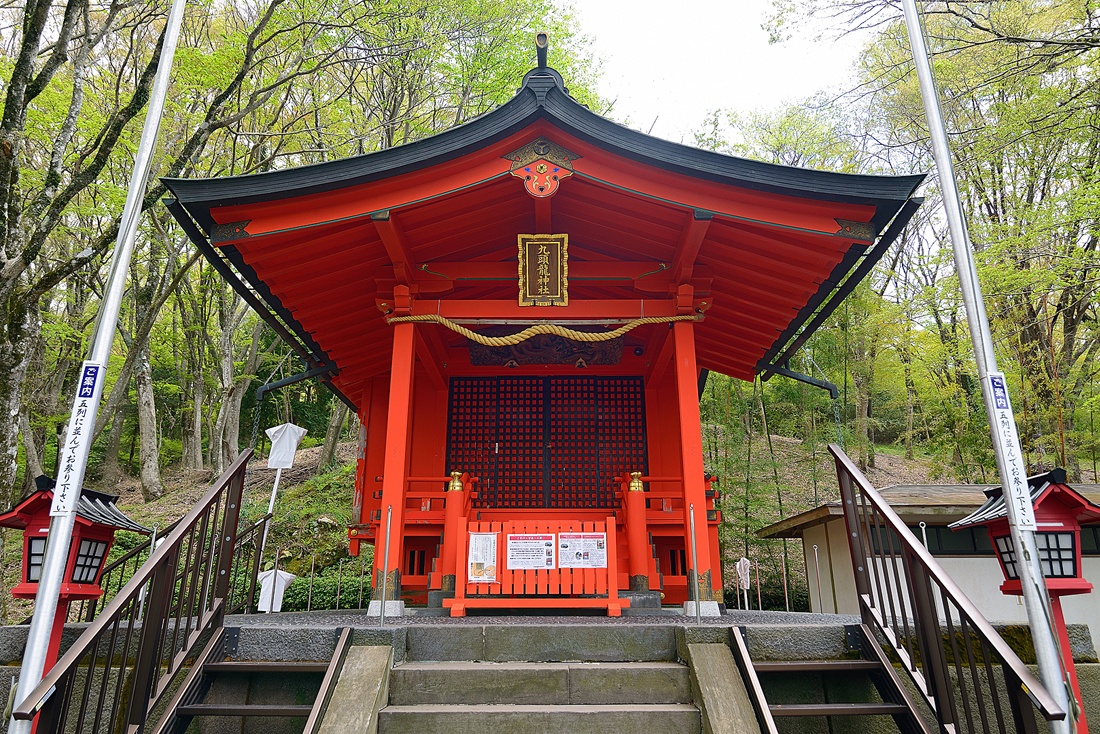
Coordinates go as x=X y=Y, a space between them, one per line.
x=521 y=310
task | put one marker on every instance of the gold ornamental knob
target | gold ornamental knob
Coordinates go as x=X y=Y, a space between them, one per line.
x=456 y=482
x=636 y=482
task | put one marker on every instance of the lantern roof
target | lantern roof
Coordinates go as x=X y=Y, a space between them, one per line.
x=93 y=507
x=1047 y=486
x=322 y=247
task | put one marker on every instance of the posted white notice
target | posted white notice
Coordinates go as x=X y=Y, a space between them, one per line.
x=74 y=454
x=531 y=551
x=582 y=550
x=1017 y=493
x=481 y=562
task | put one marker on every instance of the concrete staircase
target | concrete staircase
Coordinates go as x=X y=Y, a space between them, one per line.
x=627 y=688
x=464 y=696
x=517 y=678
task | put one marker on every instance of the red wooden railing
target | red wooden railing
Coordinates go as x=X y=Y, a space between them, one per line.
x=970 y=678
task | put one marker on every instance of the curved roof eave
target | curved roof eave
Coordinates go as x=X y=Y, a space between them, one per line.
x=542 y=96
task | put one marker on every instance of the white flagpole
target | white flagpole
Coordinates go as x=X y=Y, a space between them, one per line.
x=74 y=455
x=998 y=407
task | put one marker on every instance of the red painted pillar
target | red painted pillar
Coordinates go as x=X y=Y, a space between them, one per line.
x=691 y=442
x=637 y=533
x=59 y=619
x=1067 y=660
x=396 y=459
x=454 y=530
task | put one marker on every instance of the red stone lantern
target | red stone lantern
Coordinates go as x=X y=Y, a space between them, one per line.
x=97 y=520
x=1059 y=513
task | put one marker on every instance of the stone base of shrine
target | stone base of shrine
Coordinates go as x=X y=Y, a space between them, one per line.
x=706 y=609
x=393 y=608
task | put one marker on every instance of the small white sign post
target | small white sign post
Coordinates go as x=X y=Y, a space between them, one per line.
x=743 y=578
x=284 y=442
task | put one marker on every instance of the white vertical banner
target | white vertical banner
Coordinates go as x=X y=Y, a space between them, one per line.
x=74 y=455
x=1016 y=488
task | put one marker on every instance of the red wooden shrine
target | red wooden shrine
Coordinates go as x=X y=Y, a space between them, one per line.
x=544 y=436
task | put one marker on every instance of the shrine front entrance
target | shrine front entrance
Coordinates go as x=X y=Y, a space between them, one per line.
x=520 y=310
x=546 y=442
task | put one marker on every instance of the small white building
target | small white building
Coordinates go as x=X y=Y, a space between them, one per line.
x=967 y=555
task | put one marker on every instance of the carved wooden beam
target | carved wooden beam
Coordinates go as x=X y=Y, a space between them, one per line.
x=397 y=247
x=691 y=238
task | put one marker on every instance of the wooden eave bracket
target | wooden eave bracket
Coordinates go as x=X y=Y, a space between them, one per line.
x=397 y=247
x=221 y=233
x=691 y=239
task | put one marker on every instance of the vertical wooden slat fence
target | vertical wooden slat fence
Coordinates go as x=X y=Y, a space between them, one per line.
x=116 y=672
x=966 y=673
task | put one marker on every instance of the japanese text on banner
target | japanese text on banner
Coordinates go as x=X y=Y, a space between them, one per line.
x=1016 y=489
x=74 y=455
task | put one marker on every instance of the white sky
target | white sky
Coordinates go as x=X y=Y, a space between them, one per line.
x=675 y=60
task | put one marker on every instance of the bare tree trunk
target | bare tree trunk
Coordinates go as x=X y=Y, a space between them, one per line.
x=151 y=485
x=229 y=402
x=233 y=422
x=332 y=436
x=33 y=464
x=910 y=401
x=861 y=425
x=14 y=359
x=192 y=427
x=112 y=471
x=869 y=397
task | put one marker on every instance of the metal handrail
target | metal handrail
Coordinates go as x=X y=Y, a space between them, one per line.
x=244 y=537
x=129 y=655
x=902 y=590
x=752 y=683
x=88 y=608
x=328 y=685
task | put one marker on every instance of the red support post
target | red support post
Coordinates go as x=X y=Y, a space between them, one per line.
x=637 y=532
x=1067 y=660
x=691 y=441
x=454 y=529
x=396 y=458
x=59 y=620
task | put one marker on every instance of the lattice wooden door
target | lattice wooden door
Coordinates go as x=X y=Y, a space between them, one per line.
x=546 y=442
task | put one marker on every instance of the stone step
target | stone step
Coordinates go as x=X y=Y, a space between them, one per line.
x=455 y=682
x=669 y=718
x=542 y=643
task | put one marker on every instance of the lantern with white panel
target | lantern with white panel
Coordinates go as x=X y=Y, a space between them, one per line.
x=97 y=521
x=1059 y=513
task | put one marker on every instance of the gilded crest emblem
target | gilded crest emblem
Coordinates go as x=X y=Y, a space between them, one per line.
x=542 y=165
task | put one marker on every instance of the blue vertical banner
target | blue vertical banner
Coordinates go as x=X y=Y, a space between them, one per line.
x=74 y=454
x=1016 y=489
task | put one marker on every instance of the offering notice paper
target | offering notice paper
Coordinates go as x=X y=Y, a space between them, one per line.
x=531 y=551
x=582 y=550
x=482 y=559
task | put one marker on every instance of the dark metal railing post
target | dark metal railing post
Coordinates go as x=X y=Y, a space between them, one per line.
x=161 y=592
x=855 y=540
x=1023 y=714
x=930 y=642
x=228 y=538
x=250 y=605
x=113 y=675
x=928 y=614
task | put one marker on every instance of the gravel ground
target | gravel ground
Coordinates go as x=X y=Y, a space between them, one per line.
x=353 y=618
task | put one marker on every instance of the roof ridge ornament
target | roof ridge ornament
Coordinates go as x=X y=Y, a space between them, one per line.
x=542 y=164
x=542 y=78
x=542 y=44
